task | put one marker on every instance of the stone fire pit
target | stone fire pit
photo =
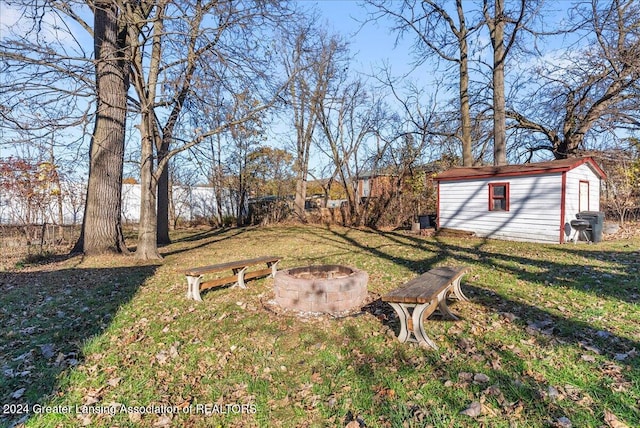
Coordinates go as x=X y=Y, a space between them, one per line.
x=322 y=288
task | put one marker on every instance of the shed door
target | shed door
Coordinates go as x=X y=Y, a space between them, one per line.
x=584 y=196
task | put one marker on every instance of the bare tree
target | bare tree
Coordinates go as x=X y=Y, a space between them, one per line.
x=444 y=33
x=402 y=148
x=178 y=49
x=504 y=28
x=101 y=226
x=310 y=59
x=51 y=88
x=592 y=90
x=245 y=139
x=347 y=116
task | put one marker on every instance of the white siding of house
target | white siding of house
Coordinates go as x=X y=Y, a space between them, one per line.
x=190 y=203
x=534 y=208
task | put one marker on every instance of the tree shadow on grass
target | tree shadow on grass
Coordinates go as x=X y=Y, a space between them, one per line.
x=202 y=239
x=46 y=318
x=622 y=281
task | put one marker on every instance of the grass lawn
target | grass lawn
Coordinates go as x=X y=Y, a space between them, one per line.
x=551 y=337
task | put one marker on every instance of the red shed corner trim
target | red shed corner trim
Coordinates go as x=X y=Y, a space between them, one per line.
x=556 y=166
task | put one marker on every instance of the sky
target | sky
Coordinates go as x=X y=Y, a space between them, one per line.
x=372 y=43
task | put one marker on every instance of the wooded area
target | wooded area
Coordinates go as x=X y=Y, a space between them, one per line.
x=257 y=99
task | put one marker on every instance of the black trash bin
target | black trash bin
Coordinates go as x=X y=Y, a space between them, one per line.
x=424 y=221
x=596 y=220
x=432 y=220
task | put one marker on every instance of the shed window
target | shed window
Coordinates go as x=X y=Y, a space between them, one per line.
x=498 y=196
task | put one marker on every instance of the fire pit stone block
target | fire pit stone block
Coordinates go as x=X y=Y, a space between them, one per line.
x=324 y=288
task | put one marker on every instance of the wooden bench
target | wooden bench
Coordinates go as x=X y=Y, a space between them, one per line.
x=240 y=274
x=416 y=300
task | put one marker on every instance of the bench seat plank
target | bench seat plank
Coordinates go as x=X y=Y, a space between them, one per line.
x=197 y=271
x=423 y=288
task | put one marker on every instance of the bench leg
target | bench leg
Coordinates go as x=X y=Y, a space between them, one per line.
x=404 y=316
x=457 y=291
x=240 y=273
x=443 y=307
x=411 y=325
x=274 y=268
x=193 y=288
x=418 y=317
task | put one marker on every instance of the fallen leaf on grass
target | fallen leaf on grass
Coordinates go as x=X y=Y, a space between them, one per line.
x=85 y=419
x=509 y=317
x=563 y=422
x=590 y=348
x=622 y=357
x=18 y=393
x=552 y=393
x=162 y=421
x=173 y=351
x=93 y=396
x=134 y=417
x=466 y=344
x=465 y=377
x=480 y=378
x=474 y=410
x=162 y=357
x=496 y=392
x=47 y=350
x=612 y=421
x=316 y=377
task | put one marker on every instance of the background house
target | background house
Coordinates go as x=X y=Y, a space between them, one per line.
x=530 y=202
x=373 y=185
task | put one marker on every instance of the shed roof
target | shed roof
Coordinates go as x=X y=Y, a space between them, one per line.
x=555 y=166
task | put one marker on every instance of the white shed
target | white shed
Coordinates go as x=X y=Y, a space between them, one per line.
x=530 y=202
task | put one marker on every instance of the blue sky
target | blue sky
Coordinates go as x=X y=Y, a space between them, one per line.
x=372 y=44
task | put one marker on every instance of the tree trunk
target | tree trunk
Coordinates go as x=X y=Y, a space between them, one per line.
x=147 y=228
x=101 y=226
x=567 y=147
x=301 y=196
x=163 y=204
x=465 y=109
x=499 y=114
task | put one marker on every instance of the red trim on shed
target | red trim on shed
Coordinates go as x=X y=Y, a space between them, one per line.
x=556 y=166
x=563 y=194
x=438 y=207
